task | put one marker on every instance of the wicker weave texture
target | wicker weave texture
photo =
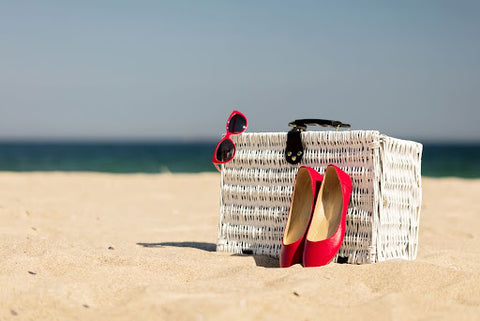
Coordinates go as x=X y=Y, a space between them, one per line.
x=384 y=210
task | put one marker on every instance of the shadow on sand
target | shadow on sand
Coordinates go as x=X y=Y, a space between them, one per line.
x=209 y=247
x=263 y=261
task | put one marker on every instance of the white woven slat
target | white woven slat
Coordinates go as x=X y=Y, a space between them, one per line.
x=257 y=185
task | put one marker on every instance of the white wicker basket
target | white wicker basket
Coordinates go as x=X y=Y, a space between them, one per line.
x=384 y=211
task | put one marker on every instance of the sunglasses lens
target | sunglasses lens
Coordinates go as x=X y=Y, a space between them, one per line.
x=237 y=124
x=225 y=151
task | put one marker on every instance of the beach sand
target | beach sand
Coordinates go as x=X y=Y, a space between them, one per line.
x=90 y=246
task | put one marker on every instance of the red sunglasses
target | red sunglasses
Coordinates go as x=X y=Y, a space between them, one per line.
x=225 y=150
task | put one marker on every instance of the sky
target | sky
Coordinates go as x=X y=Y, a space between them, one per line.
x=175 y=70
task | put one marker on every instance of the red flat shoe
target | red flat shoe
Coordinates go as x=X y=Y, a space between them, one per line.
x=327 y=228
x=307 y=184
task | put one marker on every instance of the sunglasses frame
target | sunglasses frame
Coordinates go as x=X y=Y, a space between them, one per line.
x=216 y=161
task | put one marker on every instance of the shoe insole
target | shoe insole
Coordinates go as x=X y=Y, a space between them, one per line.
x=299 y=214
x=328 y=209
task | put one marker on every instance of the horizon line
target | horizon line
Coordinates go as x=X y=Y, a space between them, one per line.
x=183 y=140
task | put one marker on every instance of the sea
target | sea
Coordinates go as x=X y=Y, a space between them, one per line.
x=438 y=159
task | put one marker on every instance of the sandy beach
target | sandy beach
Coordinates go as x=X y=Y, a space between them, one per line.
x=90 y=246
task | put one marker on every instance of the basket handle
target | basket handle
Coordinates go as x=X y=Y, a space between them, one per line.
x=302 y=123
x=294 y=149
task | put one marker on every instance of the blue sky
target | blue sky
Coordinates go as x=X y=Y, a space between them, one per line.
x=175 y=70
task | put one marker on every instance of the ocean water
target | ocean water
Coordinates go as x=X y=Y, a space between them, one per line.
x=439 y=160
x=458 y=160
x=107 y=157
